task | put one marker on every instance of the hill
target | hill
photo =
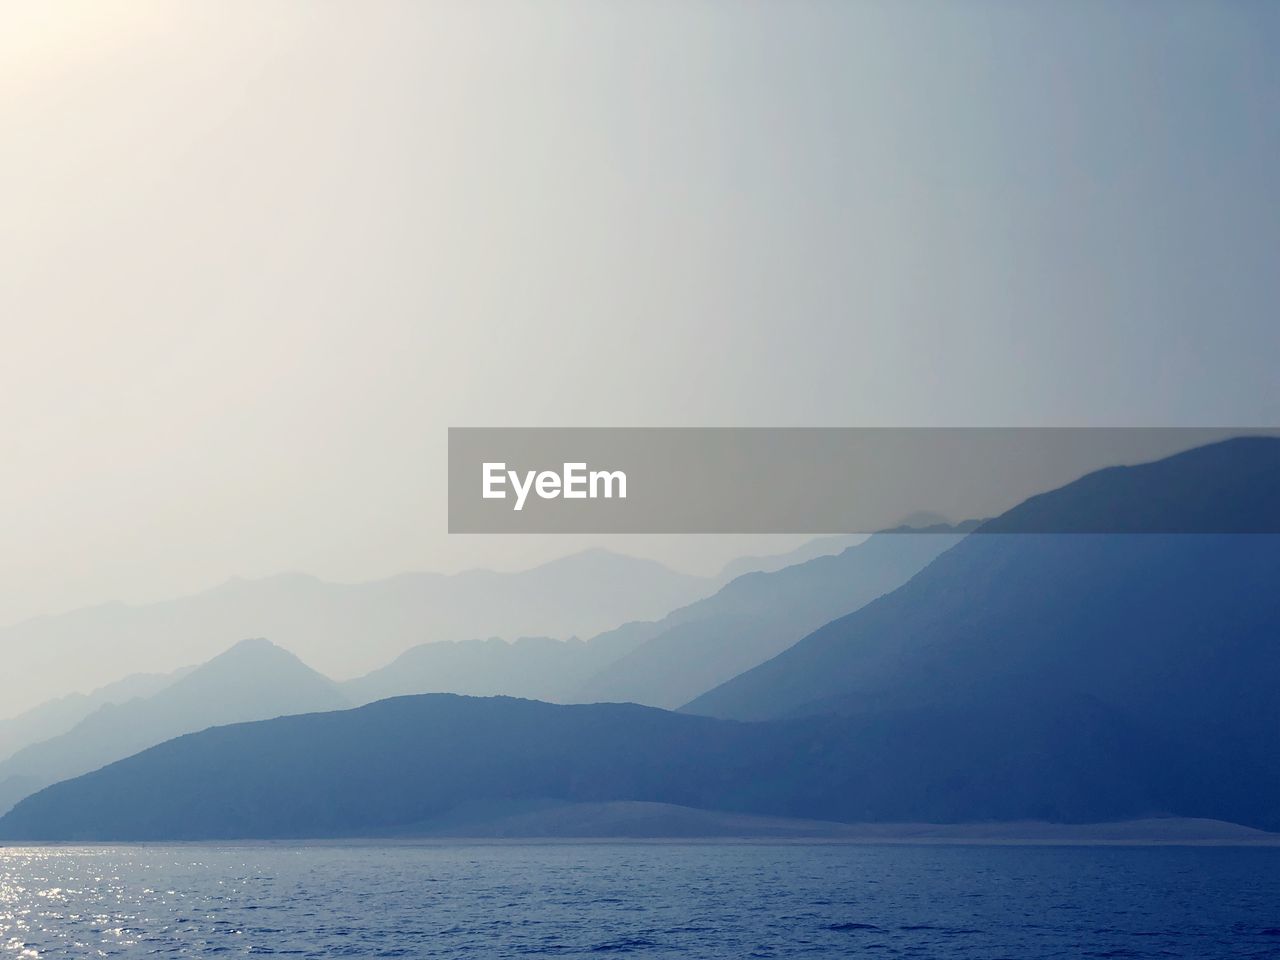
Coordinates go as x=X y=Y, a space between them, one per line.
x=388 y=768
x=251 y=681
x=536 y=667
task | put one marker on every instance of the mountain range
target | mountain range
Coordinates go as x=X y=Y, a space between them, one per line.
x=1066 y=677
x=666 y=662
x=343 y=630
x=757 y=616
x=739 y=626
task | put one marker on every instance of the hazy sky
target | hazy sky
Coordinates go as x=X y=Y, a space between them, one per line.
x=258 y=255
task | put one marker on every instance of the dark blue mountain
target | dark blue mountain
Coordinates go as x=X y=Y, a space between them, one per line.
x=397 y=766
x=1171 y=629
x=1109 y=638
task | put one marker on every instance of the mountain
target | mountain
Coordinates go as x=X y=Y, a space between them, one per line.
x=58 y=716
x=370 y=770
x=665 y=662
x=1078 y=648
x=409 y=765
x=344 y=630
x=757 y=616
x=1167 y=628
x=1061 y=677
x=253 y=680
x=540 y=668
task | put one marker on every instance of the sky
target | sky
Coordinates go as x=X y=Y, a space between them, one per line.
x=257 y=257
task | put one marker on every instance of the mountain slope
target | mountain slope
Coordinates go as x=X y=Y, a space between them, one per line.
x=55 y=717
x=827 y=546
x=1168 y=628
x=253 y=680
x=344 y=630
x=757 y=616
x=664 y=663
x=540 y=668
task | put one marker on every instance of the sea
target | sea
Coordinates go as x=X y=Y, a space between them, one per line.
x=657 y=899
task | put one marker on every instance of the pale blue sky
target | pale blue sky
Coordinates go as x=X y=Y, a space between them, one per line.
x=258 y=256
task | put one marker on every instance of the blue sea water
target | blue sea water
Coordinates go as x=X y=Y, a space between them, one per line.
x=651 y=900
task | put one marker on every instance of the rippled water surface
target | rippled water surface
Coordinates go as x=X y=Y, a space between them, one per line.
x=659 y=900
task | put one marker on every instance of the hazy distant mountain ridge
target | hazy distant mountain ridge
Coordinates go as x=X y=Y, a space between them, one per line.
x=809 y=550
x=757 y=616
x=343 y=630
x=666 y=662
x=56 y=717
x=688 y=650
x=254 y=680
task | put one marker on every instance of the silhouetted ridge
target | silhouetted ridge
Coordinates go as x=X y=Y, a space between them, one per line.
x=1174 y=638
x=1226 y=487
x=391 y=766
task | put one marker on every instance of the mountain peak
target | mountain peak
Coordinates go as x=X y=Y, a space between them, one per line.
x=253 y=653
x=252 y=644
